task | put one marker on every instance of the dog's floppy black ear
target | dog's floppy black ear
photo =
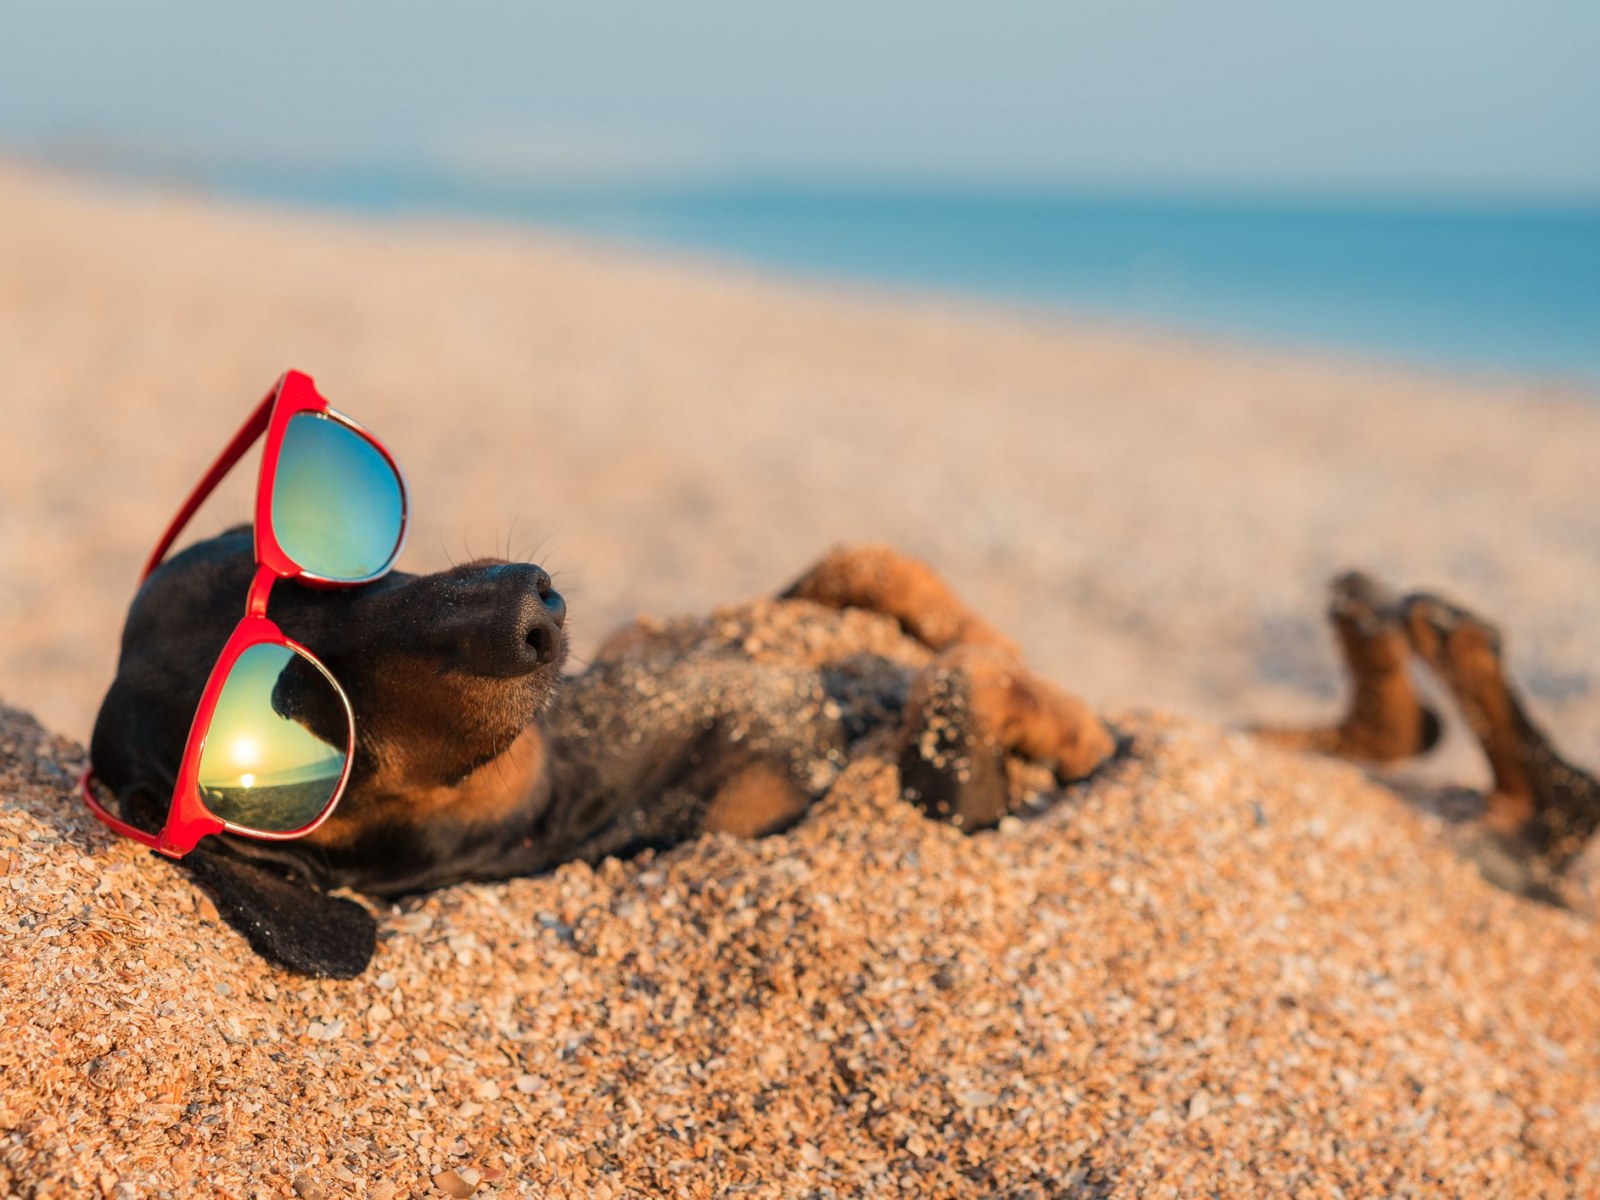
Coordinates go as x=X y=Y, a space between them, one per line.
x=287 y=922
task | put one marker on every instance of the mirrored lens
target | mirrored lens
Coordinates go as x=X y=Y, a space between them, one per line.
x=336 y=503
x=275 y=749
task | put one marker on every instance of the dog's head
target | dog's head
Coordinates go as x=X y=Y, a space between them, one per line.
x=445 y=673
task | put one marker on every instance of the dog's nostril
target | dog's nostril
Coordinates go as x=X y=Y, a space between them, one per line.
x=541 y=640
x=555 y=605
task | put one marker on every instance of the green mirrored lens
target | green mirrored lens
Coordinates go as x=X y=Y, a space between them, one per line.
x=336 y=503
x=275 y=749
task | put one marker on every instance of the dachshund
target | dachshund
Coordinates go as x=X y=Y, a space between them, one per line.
x=477 y=758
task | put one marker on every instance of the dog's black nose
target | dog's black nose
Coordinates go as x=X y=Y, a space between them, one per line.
x=543 y=633
x=540 y=615
x=505 y=620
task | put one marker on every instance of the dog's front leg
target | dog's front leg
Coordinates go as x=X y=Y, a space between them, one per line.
x=967 y=711
x=881 y=579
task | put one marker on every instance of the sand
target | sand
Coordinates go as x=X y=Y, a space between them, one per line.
x=1219 y=965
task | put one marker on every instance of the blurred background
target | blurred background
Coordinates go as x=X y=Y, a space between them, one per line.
x=1416 y=179
x=1139 y=319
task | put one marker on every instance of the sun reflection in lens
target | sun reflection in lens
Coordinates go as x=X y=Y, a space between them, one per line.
x=262 y=766
x=246 y=752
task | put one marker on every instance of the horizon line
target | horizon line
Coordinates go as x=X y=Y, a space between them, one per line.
x=162 y=162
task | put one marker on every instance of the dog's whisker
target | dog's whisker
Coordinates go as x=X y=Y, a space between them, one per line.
x=533 y=555
x=511 y=532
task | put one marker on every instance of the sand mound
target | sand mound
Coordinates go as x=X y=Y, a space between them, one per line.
x=1216 y=966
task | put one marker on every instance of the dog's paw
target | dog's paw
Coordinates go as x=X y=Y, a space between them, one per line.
x=971 y=708
x=1385 y=720
x=1460 y=647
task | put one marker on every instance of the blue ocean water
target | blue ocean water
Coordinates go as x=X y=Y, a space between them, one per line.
x=1499 y=288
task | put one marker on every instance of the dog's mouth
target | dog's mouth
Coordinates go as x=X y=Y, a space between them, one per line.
x=515 y=712
x=439 y=727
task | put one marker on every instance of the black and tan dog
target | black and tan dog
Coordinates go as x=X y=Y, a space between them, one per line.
x=476 y=759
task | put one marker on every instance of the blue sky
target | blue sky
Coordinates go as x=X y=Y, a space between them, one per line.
x=1399 y=97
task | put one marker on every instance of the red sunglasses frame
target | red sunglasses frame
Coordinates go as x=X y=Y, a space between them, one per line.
x=188 y=819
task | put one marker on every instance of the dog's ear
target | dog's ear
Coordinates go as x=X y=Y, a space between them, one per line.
x=287 y=922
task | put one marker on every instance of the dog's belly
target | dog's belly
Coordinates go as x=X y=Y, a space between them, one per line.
x=671 y=711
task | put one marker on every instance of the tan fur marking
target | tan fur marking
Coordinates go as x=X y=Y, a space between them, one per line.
x=757 y=800
x=882 y=580
x=488 y=795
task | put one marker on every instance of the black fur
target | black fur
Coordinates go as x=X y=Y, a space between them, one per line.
x=285 y=921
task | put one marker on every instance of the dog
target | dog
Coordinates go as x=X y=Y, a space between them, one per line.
x=476 y=758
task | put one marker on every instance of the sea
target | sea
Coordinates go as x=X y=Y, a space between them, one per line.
x=1475 y=288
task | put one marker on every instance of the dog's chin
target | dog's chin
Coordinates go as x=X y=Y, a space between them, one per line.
x=500 y=721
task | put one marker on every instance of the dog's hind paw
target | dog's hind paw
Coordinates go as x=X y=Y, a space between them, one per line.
x=1385 y=720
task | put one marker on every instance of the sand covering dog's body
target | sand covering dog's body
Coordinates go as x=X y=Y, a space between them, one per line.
x=475 y=760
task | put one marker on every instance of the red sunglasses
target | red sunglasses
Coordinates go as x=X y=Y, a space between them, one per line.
x=269 y=752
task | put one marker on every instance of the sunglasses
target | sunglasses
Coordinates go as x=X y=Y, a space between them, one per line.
x=268 y=754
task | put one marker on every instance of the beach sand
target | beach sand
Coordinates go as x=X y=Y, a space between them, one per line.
x=1218 y=964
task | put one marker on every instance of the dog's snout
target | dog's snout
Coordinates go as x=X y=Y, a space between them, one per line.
x=505 y=620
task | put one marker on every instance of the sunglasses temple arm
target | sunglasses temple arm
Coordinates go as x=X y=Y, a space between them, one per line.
x=255 y=425
x=116 y=824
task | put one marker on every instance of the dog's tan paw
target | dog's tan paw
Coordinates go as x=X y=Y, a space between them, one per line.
x=1385 y=721
x=971 y=708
